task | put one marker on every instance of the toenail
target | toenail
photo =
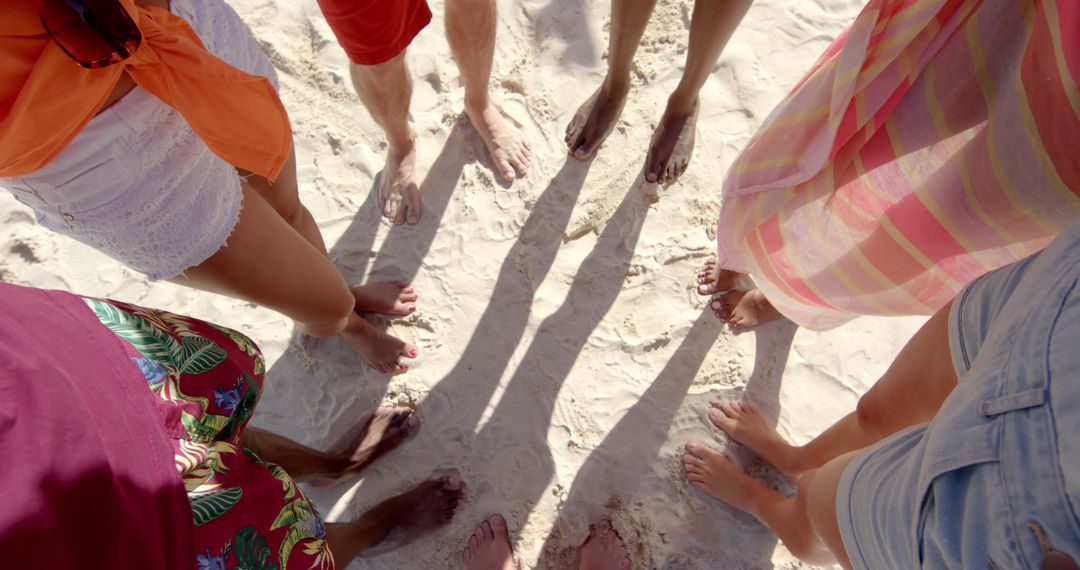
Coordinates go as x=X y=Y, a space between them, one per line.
x=412 y=353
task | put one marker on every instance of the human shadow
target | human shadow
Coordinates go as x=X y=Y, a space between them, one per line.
x=341 y=370
x=559 y=26
x=627 y=478
x=515 y=438
x=402 y=252
x=454 y=406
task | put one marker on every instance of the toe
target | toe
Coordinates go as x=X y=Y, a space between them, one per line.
x=695 y=449
x=718 y=419
x=488 y=533
x=602 y=528
x=390 y=210
x=498 y=524
x=507 y=170
x=474 y=541
x=466 y=555
x=730 y=409
x=520 y=166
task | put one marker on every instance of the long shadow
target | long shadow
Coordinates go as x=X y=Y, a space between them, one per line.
x=403 y=251
x=455 y=405
x=515 y=439
x=563 y=27
x=619 y=464
x=771 y=351
x=337 y=365
x=626 y=468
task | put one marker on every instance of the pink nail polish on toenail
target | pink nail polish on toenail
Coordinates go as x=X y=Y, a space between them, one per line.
x=412 y=353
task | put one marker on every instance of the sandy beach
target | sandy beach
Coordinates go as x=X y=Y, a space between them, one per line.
x=565 y=356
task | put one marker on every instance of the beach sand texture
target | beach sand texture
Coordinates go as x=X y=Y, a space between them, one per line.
x=565 y=356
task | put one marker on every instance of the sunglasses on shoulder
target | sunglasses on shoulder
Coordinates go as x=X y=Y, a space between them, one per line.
x=95 y=33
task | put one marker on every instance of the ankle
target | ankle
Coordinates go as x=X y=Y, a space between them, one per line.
x=476 y=103
x=617 y=85
x=794 y=461
x=680 y=104
x=402 y=143
x=766 y=503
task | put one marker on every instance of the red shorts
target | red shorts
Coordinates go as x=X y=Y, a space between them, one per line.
x=374 y=31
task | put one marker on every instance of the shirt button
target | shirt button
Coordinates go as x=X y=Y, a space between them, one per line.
x=69 y=217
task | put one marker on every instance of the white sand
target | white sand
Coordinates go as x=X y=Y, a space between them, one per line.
x=565 y=357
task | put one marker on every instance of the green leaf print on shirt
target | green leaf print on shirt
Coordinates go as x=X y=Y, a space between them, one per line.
x=209 y=506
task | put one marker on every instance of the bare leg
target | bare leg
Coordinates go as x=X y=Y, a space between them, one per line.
x=268 y=263
x=398 y=521
x=672 y=144
x=283 y=195
x=909 y=393
x=470 y=30
x=594 y=120
x=489 y=547
x=373 y=436
x=806 y=523
x=604 y=549
x=386 y=89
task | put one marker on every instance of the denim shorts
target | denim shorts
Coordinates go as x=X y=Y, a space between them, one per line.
x=994 y=480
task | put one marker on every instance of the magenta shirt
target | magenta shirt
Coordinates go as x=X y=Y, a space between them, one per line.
x=86 y=472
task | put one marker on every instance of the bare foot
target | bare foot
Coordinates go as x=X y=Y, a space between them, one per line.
x=714 y=474
x=604 y=549
x=745 y=309
x=595 y=119
x=377 y=434
x=712 y=279
x=509 y=150
x=489 y=547
x=399 y=196
x=385 y=298
x=672 y=145
x=745 y=425
x=396 y=522
x=380 y=350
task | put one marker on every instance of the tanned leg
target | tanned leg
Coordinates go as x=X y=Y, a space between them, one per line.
x=597 y=116
x=470 y=30
x=382 y=297
x=386 y=89
x=909 y=393
x=806 y=523
x=396 y=522
x=268 y=263
x=375 y=435
x=672 y=144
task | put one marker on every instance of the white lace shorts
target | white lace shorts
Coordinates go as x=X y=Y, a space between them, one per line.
x=137 y=183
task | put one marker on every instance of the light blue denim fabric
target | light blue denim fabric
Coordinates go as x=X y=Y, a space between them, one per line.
x=994 y=480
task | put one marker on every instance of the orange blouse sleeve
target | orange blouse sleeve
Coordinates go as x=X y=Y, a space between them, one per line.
x=46 y=98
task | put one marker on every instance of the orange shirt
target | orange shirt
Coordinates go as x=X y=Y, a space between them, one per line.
x=46 y=98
